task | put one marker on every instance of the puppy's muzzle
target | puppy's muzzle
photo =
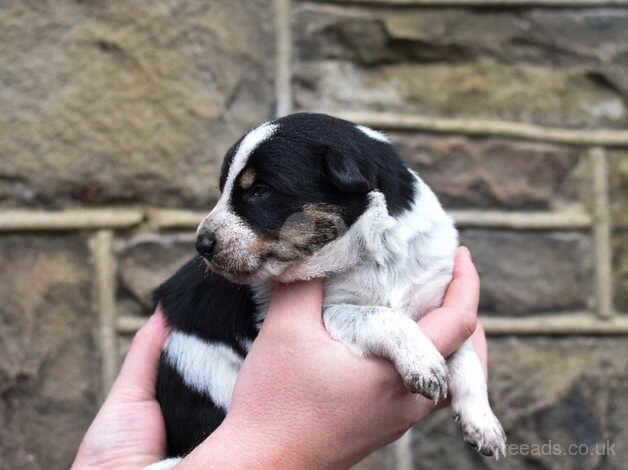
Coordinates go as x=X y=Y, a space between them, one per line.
x=206 y=244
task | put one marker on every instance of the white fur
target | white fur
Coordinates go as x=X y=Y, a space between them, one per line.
x=383 y=332
x=384 y=274
x=381 y=276
x=166 y=464
x=470 y=401
x=249 y=143
x=210 y=368
x=401 y=265
x=373 y=134
x=404 y=263
x=233 y=252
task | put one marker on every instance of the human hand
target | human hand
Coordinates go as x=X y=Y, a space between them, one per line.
x=128 y=431
x=303 y=400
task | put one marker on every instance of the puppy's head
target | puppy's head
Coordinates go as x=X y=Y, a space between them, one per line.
x=289 y=188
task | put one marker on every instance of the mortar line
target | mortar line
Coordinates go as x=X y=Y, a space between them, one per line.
x=602 y=233
x=102 y=251
x=69 y=219
x=516 y=130
x=283 y=92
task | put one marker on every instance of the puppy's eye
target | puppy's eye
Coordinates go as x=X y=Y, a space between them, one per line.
x=259 y=190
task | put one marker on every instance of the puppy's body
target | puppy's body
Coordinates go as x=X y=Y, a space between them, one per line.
x=341 y=205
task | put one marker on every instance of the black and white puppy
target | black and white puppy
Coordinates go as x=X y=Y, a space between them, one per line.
x=307 y=196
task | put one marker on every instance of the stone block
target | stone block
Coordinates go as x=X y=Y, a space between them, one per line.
x=531 y=272
x=144 y=264
x=562 y=398
x=553 y=67
x=618 y=169
x=116 y=102
x=49 y=359
x=492 y=173
x=620 y=268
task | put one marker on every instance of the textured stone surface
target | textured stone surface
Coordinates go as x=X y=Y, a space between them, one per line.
x=620 y=264
x=545 y=391
x=531 y=272
x=555 y=67
x=619 y=204
x=49 y=365
x=108 y=102
x=497 y=173
x=144 y=264
x=619 y=187
x=381 y=459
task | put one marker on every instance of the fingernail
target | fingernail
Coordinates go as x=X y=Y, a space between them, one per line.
x=466 y=251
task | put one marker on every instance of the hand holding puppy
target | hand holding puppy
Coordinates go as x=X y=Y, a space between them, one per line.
x=302 y=400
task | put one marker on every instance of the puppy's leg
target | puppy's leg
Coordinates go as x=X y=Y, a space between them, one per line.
x=164 y=464
x=382 y=332
x=469 y=400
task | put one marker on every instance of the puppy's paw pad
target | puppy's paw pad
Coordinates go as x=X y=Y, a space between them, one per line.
x=430 y=380
x=484 y=433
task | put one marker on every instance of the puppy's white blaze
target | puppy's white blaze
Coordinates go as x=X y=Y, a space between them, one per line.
x=250 y=142
x=373 y=134
x=208 y=368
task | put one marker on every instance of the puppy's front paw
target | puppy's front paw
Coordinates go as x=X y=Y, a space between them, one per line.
x=427 y=375
x=482 y=430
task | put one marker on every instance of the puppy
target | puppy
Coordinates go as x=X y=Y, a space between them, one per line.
x=307 y=196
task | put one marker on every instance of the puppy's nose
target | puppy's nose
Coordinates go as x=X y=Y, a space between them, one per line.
x=205 y=243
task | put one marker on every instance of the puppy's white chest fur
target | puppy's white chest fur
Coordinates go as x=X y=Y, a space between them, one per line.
x=403 y=263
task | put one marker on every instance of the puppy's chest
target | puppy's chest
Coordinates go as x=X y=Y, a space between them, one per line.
x=370 y=286
x=407 y=288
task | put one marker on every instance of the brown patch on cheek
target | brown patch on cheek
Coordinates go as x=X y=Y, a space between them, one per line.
x=303 y=233
x=327 y=224
x=247 y=178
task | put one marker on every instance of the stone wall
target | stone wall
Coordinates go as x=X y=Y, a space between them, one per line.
x=115 y=116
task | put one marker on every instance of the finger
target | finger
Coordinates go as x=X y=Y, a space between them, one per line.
x=301 y=301
x=139 y=371
x=450 y=325
x=463 y=292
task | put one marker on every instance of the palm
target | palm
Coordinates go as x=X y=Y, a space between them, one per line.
x=128 y=431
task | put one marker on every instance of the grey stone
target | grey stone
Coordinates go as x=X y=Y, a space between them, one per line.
x=619 y=187
x=496 y=173
x=565 y=68
x=49 y=364
x=531 y=272
x=619 y=206
x=620 y=265
x=115 y=102
x=144 y=264
x=548 y=394
x=381 y=459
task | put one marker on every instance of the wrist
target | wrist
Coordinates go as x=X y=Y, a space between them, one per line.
x=243 y=446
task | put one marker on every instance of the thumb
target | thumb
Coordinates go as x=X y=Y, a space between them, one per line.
x=302 y=301
x=136 y=380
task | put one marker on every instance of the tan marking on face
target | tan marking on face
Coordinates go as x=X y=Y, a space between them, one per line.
x=247 y=178
x=303 y=233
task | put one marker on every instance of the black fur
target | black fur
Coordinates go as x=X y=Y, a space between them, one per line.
x=199 y=302
x=310 y=159
x=188 y=415
x=315 y=158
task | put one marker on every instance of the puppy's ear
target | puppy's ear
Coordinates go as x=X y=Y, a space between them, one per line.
x=345 y=173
